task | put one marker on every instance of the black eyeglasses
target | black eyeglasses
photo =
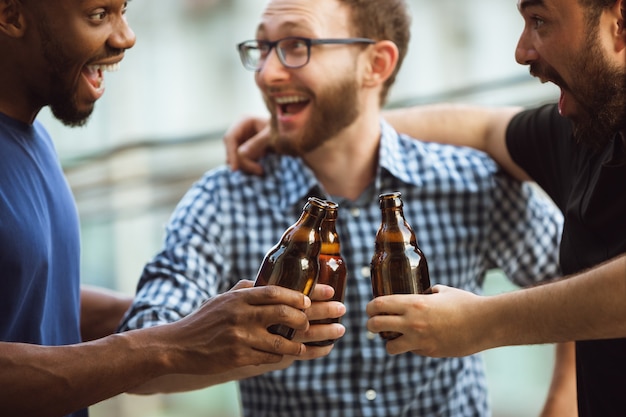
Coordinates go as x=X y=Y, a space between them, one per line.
x=293 y=52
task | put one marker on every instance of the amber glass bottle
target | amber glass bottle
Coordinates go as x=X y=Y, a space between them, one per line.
x=332 y=266
x=398 y=265
x=294 y=261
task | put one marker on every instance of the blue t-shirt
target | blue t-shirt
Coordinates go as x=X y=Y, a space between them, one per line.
x=39 y=241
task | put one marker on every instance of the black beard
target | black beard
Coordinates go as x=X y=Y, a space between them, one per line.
x=601 y=90
x=68 y=114
x=62 y=101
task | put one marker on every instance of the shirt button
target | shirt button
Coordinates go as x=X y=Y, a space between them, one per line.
x=370 y=394
x=371 y=336
x=355 y=211
x=365 y=271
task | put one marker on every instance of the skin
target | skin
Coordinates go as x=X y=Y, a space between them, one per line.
x=49 y=50
x=343 y=164
x=458 y=323
x=100 y=311
x=247 y=141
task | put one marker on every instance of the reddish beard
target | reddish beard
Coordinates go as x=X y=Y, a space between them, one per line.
x=332 y=110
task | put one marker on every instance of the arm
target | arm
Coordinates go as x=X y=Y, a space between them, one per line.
x=452 y=322
x=226 y=333
x=101 y=311
x=320 y=309
x=476 y=127
x=562 y=399
x=480 y=128
x=246 y=142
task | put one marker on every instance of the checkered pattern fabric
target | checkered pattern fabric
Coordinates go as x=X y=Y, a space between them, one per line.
x=468 y=219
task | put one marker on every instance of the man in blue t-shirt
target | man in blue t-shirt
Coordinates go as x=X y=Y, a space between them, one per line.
x=54 y=54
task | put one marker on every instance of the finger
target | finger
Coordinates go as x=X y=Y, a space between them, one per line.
x=271 y=348
x=274 y=294
x=319 y=332
x=247 y=165
x=385 y=323
x=391 y=304
x=258 y=143
x=314 y=352
x=248 y=157
x=244 y=283
x=250 y=153
x=322 y=292
x=237 y=134
x=399 y=345
x=281 y=314
x=321 y=310
x=439 y=288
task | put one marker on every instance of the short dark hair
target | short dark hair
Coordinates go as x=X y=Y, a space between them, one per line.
x=383 y=20
x=594 y=8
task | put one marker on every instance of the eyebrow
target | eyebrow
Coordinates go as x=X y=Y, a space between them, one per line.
x=286 y=26
x=524 y=4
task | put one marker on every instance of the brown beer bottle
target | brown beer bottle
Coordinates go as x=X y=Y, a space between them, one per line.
x=293 y=262
x=332 y=266
x=398 y=265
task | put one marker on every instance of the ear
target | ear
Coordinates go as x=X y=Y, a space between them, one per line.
x=617 y=15
x=12 y=22
x=383 y=58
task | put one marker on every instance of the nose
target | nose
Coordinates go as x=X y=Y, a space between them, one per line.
x=272 y=71
x=525 y=52
x=122 y=36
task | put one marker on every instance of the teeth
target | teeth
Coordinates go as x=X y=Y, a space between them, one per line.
x=109 y=68
x=289 y=100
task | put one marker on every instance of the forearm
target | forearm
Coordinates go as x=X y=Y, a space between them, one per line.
x=53 y=381
x=101 y=311
x=561 y=399
x=481 y=128
x=455 y=124
x=589 y=305
x=316 y=332
x=168 y=384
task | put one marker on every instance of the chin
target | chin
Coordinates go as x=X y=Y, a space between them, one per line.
x=71 y=116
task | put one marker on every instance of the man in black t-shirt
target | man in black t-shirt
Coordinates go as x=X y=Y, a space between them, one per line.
x=576 y=151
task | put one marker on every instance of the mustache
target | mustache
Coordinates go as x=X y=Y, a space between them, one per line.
x=547 y=73
x=110 y=53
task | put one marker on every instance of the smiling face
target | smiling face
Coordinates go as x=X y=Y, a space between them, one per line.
x=75 y=41
x=582 y=56
x=311 y=104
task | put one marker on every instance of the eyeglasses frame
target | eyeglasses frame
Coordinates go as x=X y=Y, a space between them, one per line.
x=308 y=41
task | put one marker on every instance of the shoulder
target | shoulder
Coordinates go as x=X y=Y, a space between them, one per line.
x=541 y=121
x=221 y=191
x=440 y=159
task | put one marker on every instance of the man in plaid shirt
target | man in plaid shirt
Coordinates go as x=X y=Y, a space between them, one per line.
x=324 y=69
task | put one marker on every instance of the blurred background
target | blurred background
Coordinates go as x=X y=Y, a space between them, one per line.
x=160 y=125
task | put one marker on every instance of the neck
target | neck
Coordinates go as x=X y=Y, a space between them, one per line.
x=346 y=164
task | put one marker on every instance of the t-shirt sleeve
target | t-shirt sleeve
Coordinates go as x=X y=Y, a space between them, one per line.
x=539 y=141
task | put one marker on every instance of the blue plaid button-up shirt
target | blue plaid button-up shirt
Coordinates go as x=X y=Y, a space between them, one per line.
x=468 y=218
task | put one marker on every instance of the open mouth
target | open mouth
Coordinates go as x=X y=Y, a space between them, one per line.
x=290 y=105
x=93 y=73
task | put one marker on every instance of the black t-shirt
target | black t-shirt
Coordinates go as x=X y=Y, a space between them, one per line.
x=588 y=186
